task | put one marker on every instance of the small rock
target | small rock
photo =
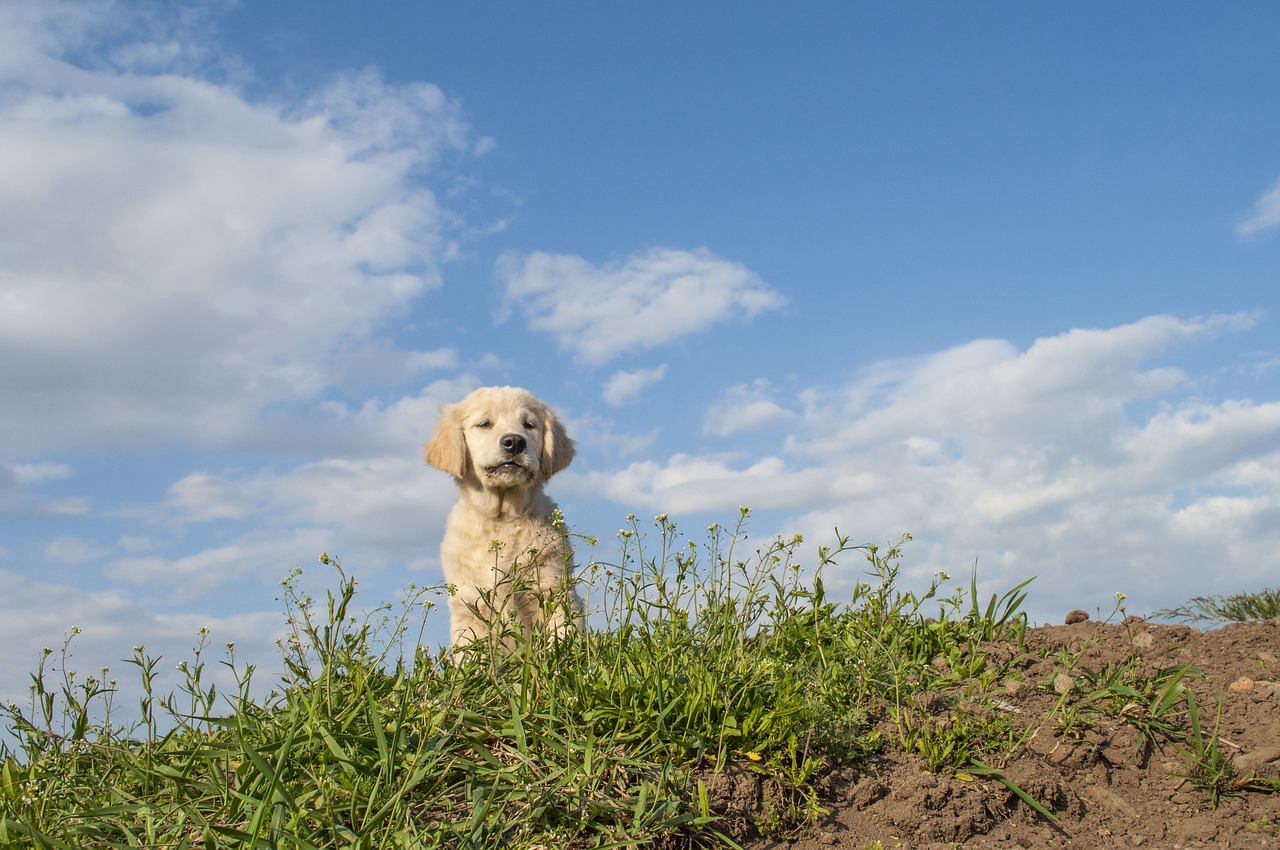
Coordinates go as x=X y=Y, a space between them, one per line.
x=1143 y=640
x=1268 y=657
x=1076 y=616
x=1014 y=687
x=1063 y=684
x=1241 y=686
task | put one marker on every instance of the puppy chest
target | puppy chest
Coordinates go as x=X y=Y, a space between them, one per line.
x=476 y=544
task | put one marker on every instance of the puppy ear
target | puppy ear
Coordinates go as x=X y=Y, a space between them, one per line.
x=447 y=448
x=557 y=448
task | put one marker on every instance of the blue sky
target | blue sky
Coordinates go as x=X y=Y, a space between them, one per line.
x=999 y=275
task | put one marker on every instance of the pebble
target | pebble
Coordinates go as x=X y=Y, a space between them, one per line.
x=1013 y=687
x=1076 y=616
x=1241 y=686
x=1063 y=684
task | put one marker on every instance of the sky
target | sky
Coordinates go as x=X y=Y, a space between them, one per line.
x=1002 y=276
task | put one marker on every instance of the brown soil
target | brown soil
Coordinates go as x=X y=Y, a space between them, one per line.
x=1106 y=789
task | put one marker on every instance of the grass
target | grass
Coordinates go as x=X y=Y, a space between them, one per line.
x=701 y=659
x=1232 y=608
x=1208 y=768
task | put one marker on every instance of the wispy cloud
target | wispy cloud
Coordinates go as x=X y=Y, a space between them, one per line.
x=648 y=300
x=19 y=483
x=714 y=483
x=744 y=408
x=31 y=473
x=1265 y=214
x=625 y=386
x=70 y=549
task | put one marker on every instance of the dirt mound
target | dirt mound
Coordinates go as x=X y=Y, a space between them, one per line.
x=1106 y=783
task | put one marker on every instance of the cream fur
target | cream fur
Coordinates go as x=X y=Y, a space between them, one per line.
x=501 y=550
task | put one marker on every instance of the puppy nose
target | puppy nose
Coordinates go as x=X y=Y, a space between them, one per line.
x=512 y=443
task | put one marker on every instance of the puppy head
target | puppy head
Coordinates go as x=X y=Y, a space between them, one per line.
x=501 y=436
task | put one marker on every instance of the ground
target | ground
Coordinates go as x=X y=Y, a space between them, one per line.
x=1106 y=789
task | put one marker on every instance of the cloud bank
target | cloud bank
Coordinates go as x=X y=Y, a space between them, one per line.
x=176 y=256
x=1080 y=459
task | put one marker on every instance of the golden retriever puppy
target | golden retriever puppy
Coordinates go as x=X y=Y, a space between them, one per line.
x=501 y=549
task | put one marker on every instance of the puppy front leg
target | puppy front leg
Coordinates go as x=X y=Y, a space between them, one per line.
x=469 y=620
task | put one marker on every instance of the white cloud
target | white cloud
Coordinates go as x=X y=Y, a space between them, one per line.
x=1265 y=214
x=607 y=435
x=1031 y=461
x=378 y=428
x=625 y=386
x=1199 y=440
x=177 y=256
x=649 y=300
x=70 y=549
x=251 y=565
x=383 y=510
x=744 y=408
x=1069 y=391
x=35 y=615
x=18 y=485
x=687 y=484
x=201 y=497
x=32 y=473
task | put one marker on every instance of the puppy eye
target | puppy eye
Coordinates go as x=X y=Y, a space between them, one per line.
x=484 y=423
x=530 y=424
